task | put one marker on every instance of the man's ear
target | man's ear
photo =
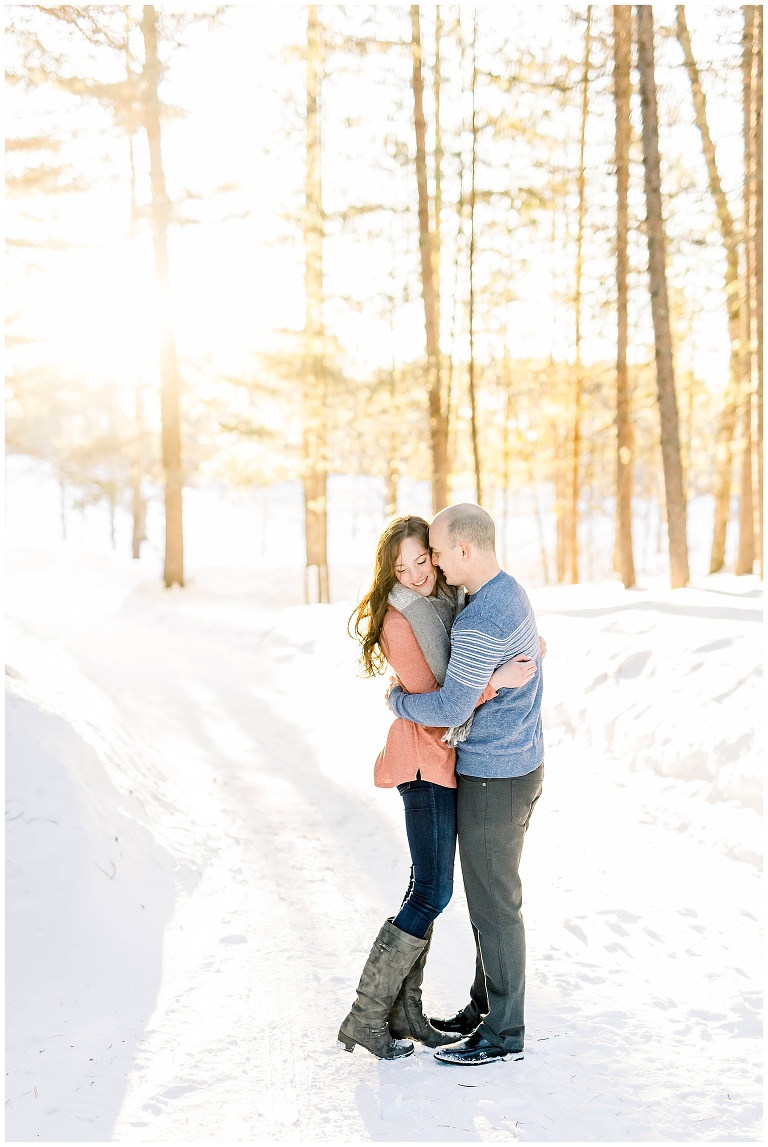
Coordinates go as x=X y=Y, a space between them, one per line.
x=466 y=551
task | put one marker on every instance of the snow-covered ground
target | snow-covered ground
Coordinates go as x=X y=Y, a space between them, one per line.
x=198 y=862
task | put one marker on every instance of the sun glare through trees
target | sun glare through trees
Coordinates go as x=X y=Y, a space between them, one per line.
x=512 y=253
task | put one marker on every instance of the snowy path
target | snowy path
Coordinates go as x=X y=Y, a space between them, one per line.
x=220 y=717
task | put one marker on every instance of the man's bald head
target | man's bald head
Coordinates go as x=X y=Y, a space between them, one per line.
x=466 y=522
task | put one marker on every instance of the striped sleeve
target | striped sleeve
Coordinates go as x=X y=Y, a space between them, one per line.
x=449 y=706
x=475 y=653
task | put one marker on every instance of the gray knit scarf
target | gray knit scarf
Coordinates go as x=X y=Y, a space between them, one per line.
x=431 y=619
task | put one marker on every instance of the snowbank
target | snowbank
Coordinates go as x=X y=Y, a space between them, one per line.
x=666 y=682
x=89 y=892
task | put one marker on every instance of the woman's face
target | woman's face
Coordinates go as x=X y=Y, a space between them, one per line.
x=414 y=569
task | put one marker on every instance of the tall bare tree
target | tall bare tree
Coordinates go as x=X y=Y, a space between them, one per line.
x=315 y=374
x=578 y=396
x=745 y=555
x=622 y=57
x=438 y=418
x=750 y=508
x=138 y=501
x=665 y=375
x=758 y=105
x=725 y=444
x=437 y=80
x=173 y=569
x=559 y=429
x=472 y=209
x=393 y=427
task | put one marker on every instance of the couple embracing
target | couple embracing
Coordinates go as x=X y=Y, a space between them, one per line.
x=466 y=754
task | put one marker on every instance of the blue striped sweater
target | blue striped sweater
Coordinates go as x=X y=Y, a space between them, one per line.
x=506 y=737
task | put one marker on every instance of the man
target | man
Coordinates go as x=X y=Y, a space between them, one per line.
x=499 y=768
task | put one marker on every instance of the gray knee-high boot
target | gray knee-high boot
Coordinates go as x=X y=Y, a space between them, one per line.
x=406 y=1018
x=391 y=959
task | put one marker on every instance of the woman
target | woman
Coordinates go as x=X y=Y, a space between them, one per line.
x=405 y=619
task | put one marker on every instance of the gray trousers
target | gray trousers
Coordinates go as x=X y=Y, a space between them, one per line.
x=493 y=817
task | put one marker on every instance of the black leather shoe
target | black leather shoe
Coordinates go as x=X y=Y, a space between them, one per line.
x=458 y=1025
x=474 y=1051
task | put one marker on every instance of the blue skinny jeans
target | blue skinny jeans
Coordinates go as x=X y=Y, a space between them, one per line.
x=430 y=824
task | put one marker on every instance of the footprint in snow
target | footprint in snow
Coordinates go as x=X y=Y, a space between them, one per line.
x=721 y=643
x=618 y=948
x=634 y=665
x=176 y=1092
x=578 y=932
x=620 y=914
x=237 y=939
x=664 y=1005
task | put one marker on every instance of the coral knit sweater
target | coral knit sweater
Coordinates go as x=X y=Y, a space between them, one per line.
x=413 y=748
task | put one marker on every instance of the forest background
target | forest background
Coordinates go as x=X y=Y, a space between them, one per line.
x=510 y=253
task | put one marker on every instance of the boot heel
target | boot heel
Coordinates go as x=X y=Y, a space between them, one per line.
x=345 y=1042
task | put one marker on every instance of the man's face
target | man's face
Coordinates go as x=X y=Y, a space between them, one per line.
x=448 y=557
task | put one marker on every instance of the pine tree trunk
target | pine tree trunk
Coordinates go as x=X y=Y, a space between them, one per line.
x=390 y=492
x=665 y=376
x=687 y=436
x=561 y=519
x=173 y=570
x=139 y=504
x=745 y=556
x=472 y=204
x=139 y=517
x=622 y=49
x=438 y=422
x=393 y=452
x=758 y=104
x=724 y=452
x=560 y=440
x=111 y=502
x=506 y=455
x=538 y=514
x=63 y=506
x=316 y=583
x=443 y=382
x=437 y=237
x=456 y=308
x=578 y=396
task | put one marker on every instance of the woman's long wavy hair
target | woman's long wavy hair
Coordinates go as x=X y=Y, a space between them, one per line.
x=368 y=615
